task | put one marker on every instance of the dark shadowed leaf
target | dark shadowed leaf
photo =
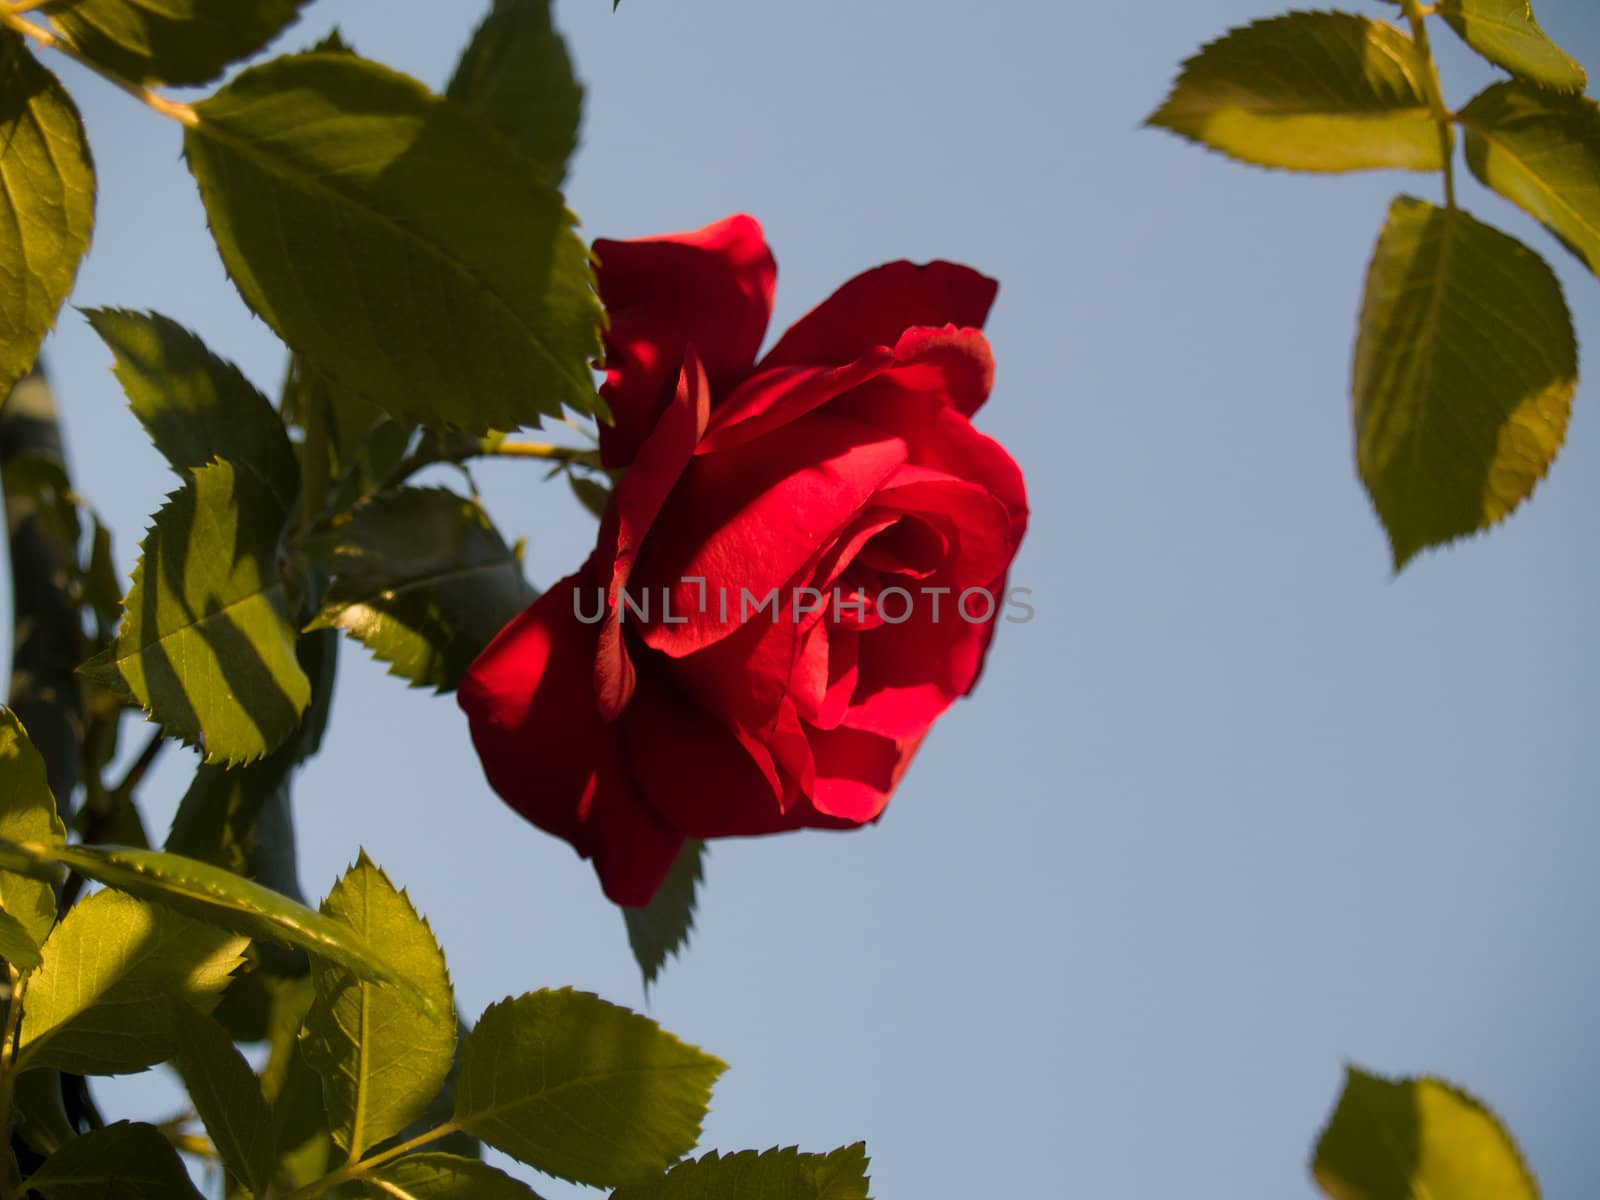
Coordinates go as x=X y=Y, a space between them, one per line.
x=226 y=1095
x=194 y=405
x=1465 y=366
x=398 y=242
x=128 y=1159
x=1506 y=33
x=102 y=1002
x=46 y=204
x=1311 y=91
x=1416 y=1139
x=39 y=1114
x=517 y=74
x=16 y=946
x=437 y=1177
x=171 y=41
x=27 y=814
x=783 y=1174
x=381 y=1060
x=1541 y=150
x=661 y=928
x=424 y=581
x=206 y=645
x=581 y=1089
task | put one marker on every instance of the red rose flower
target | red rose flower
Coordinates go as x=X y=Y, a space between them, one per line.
x=801 y=568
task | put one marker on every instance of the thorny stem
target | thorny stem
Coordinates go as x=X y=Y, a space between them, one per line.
x=1416 y=14
x=11 y=18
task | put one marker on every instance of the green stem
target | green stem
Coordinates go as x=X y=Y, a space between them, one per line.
x=1416 y=14
x=11 y=1182
x=356 y=1170
x=548 y=451
x=11 y=18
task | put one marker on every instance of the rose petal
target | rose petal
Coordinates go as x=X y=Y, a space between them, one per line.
x=876 y=307
x=857 y=772
x=711 y=288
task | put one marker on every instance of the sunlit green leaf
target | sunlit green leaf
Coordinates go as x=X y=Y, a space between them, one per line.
x=661 y=928
x=206 y=644
x=194 y=405
x=27 y=814
x=46 y=204
x=1505 y=32
x=423 y=580
x=1311 y=91
x=171 y=41
x=517 y=74
x=1541 y=151
x=222 y=898
x=16 y=946
x=776 y=1175
x=128 y=1160
x=582 y=1089
x=102 y=1003
x=1465 y=367
x=227 y=1097
x=1416 y=1139
x=427 y=266
x=437 y=1177
x=380 y=1059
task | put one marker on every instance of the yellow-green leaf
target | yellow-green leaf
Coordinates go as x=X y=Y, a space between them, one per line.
x=1308 y=92
x=1541 y=151
x=1505 y=33
x=171 y=41
x=27 y=814
x=1465 y=367
x=1416 y=1139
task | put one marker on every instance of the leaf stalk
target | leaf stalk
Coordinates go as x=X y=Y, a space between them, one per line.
x=1416 y=14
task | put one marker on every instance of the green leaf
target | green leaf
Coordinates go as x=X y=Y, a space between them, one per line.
x=227 y=1096
x=581 y=1089
x=517 y=74
x=592 y=494
x=39 y=1112
x=206 y=644
x=1416 y=1139
x=300 y=1126
x=16 y=946
x=380 y=1060
x=661 y=928
x=783 y=1174
x=127 y=1160
x=195 y=406
x=1308 y=92
x=427 y=267
x=1541 y=151
x=27 y=814
x=424 y=581
x=102 y=1002
x=1465 y=366
x=224 y=899
x=1505 y=33
x=46 y=204
x=437 y=1177
x=171 y=41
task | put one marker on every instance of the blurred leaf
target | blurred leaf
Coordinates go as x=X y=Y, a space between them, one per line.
x=222 y=898
x=16 y=946
x=304 y=1148
x=783 y=1174
x=424 y=581
x=47 y=191
x=517 y=74
x=661 y=928
x=27 y=814
x=1542 y=152
x=380 y=1059
x=43 y=482
x=427 y=266
x=1416 y=1139
x=101 y=1004
x=1465 y=367
x=593 y=495
x=1311 y=91
x=39 y=1115
x=128 y=1159
x=196 y=406
x=171 y=41
x=436 y=1177
x=207 y=646
x=1505 y=33
x=581 y=1089
x=227 y=1098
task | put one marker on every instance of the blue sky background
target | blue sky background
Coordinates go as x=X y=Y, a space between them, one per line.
x=1238 y=806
